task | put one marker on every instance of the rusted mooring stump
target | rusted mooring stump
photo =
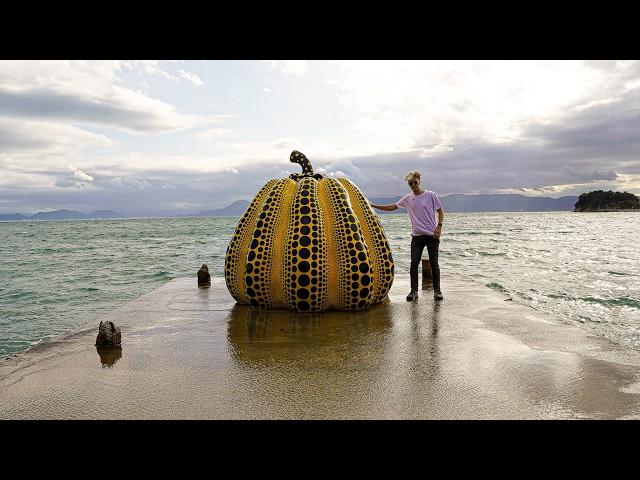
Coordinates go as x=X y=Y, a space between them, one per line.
x=427 y=279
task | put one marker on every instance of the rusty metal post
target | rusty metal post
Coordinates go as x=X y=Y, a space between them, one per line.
x=427 y=279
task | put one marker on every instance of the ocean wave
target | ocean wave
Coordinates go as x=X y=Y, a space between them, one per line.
x=496 y=286
x=584 y=319
x=45 y=250
x=620 y=301
x=524 y=296
x=47 y=300
x=475 y=233
x=562 y=296
x=58 y=250
x=10 y=297
x=161 y=275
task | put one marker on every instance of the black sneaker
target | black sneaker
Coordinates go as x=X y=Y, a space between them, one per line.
x=413 y=295
x=437 y=294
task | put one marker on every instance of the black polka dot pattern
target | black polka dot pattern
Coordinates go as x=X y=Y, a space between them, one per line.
x=355 y=273
x=236 y=257
x=263 y=249
x=304 y=276
x=379 y=249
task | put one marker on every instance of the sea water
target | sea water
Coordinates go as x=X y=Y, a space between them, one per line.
x=582 y=268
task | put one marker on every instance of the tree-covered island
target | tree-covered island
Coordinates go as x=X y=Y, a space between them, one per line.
x=599 y=201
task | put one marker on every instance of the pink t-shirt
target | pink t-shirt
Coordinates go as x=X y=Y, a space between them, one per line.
x=422 y=211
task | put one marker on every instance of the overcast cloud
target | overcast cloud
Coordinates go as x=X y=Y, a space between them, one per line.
x=155 y=138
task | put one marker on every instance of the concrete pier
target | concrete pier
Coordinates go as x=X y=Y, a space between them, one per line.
x=192 y=353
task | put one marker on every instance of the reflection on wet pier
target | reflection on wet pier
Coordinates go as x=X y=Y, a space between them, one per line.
x=195 y=353
x=109 y=355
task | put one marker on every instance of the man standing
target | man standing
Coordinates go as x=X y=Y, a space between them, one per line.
x=421 y=206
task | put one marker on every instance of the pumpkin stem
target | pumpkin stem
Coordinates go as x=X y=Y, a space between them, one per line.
x=300 y=158
x=303 y=161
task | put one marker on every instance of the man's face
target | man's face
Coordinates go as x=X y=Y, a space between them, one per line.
x=414 y=184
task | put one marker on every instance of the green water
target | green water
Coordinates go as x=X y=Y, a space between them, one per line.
x=56 y=275
x=582 y=268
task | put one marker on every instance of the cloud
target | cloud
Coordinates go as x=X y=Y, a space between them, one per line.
x=538 y=128
x=82 y=92
x=80 y=175
x=442 y=102
x=153 y=192
x=191 y=77
x=290 y=67
x=152 y=67
x=594 y=103
x=592 y=146
x=285 y=143
x=79 y=179
x=228 y=152
x=215 y=134
x=585 y=149
x=122 y=108
x=345 y=168
x=37 y=137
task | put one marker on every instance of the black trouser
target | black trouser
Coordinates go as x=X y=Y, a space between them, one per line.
x=417 y=246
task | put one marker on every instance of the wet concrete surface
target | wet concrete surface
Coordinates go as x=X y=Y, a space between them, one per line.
x=193 y=353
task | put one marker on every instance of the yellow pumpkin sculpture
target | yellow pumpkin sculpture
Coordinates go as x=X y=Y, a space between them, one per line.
x=309 y=243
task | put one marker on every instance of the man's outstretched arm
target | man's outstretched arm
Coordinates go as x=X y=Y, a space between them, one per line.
x=388 y=208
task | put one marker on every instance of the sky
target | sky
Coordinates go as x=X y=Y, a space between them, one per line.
x=147 y=138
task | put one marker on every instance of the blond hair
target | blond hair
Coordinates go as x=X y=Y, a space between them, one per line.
x=412 y=174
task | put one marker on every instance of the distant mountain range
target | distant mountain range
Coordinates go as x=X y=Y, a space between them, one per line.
x=63 y=215
x=456 y=203
x=507 y=203
x=452 y=204
x=236 y=208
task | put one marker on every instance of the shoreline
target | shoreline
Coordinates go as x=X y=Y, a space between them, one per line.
x=608 y=210
x=190 y=353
